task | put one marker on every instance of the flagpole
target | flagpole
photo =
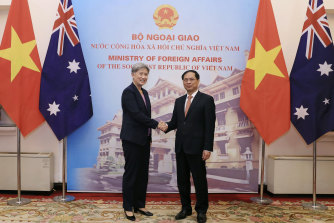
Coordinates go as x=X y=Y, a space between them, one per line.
x=261 y=199
x=64 y=198
x=314 y=205
x=18 y=201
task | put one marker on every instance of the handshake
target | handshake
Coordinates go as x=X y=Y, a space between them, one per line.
x=162 y=126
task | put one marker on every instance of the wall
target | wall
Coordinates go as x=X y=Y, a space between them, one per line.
x=290 y=16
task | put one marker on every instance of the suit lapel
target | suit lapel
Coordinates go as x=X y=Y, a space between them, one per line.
x=139 y=97
x=193 y=103
x=147 y=99
x=182 y=102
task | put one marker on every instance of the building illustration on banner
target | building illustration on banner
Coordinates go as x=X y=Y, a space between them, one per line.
x=234 y=162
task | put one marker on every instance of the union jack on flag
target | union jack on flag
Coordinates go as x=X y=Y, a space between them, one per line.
x=65 y=23
x=312 y=77
x=65 y=98
x=316 y=24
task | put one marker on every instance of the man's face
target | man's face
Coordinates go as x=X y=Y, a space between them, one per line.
x=140 y=77
x=190 y=82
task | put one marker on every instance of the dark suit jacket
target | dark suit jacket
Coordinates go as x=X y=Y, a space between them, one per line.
x=195 y=132
x=136 y=117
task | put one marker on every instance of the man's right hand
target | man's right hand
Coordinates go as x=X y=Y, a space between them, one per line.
x=162 y=126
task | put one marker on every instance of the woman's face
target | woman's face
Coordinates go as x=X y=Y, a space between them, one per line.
x=140 y=77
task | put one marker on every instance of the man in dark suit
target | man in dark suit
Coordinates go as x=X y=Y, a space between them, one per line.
x=194 y=118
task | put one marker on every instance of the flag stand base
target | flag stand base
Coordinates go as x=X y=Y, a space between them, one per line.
x=18 y=202
x=260 y=200
x=316 y=206
x=67 y=198
x=64 y=198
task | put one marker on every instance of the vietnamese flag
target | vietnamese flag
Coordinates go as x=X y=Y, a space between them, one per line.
x=265 y=87
x=20 y=69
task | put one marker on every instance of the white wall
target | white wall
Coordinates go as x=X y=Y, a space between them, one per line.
x=290 y=15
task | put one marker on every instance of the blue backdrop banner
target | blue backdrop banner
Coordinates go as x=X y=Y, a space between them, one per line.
x=212 y=37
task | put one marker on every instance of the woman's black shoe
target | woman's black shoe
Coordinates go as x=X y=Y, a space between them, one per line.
x=131 y=218
x=147 y=213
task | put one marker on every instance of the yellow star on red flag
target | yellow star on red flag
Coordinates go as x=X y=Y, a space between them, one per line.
x=264 y=63
x=19 y=54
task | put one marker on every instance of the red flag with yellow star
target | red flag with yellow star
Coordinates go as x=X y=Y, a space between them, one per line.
x=265 y=87
x=20 y=67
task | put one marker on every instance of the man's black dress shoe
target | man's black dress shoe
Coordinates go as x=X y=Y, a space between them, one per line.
x=201 y=218
x=131 y=218
x=183 y=214
x=147 y=213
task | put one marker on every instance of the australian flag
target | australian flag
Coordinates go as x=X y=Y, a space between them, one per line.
x=312 y=76
x=65 y=97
